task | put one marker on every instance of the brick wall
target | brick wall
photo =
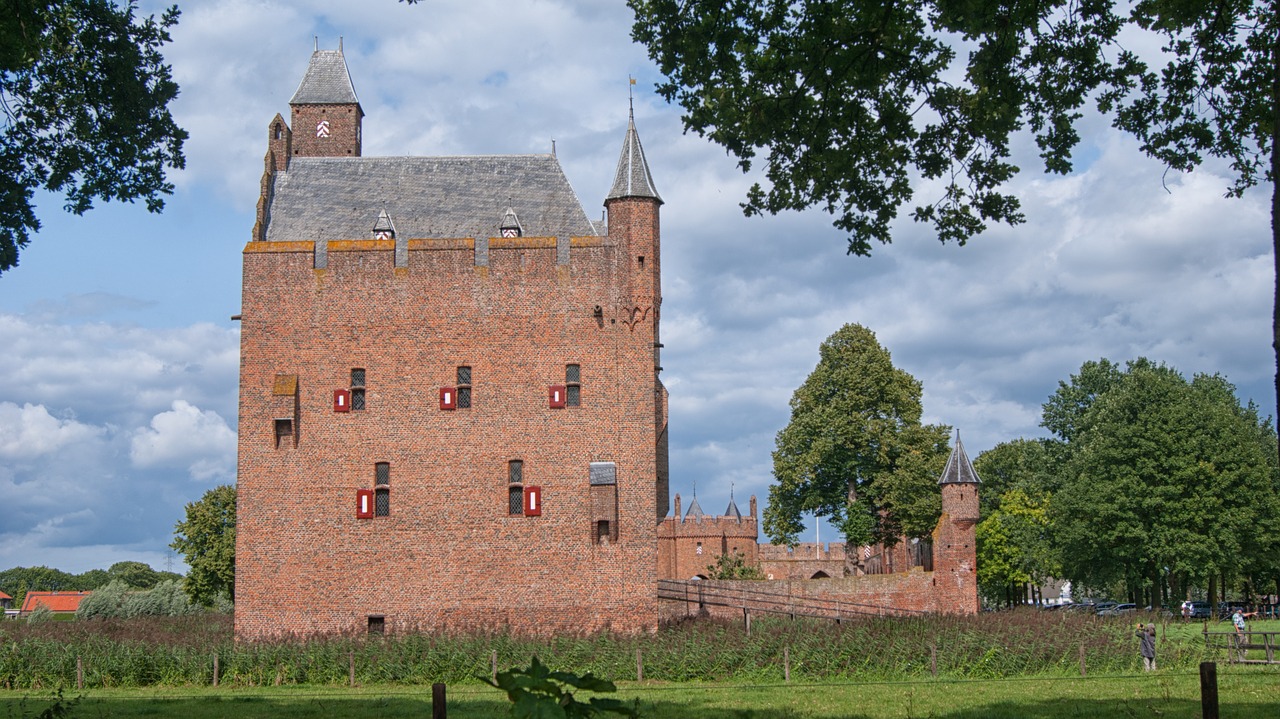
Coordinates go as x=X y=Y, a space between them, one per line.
x=448 y=554
x=688 y=545
x=342 y=125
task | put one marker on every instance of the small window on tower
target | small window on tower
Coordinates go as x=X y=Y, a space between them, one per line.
x=284 y=432
x=357 y=389
x=377 y=624
x=464 y=388
x=515 y=487
x=382 y=489
x=572 y=385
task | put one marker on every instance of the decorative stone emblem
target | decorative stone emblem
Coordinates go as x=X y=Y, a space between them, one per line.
x=322 y=130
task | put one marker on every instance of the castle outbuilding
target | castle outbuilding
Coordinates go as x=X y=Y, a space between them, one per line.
x=450 y=411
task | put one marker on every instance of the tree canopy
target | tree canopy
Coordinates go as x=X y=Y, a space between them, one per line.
x=85 y=95
x=207 y=539
x=1162 y=479
x=855 y=451
x=852 y=104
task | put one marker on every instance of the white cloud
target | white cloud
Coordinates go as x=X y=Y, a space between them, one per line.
x=187 y=437
x=29 y=431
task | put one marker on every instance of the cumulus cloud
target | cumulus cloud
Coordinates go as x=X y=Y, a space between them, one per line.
x=187 y=437
x=1116 y=260
x=29 y=431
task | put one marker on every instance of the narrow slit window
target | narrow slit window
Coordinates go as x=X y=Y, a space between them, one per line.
x=382 y=489
x=515 y=487
x=573 y=385
x=357 y=389
x=464 y=387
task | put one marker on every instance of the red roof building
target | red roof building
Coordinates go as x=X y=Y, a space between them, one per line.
x=59 y=602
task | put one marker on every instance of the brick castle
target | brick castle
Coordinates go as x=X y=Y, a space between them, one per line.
x=450 y=410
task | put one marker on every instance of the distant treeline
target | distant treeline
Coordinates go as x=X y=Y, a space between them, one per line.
x=16 y=582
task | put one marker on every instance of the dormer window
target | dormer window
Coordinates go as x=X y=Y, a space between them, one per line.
x=384 y=228
x=510 y=226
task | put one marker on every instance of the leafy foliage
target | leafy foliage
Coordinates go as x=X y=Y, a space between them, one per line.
x=733 y=565
x=539 y=693
x=118 y=600
x=1162 y=477
x=85 y=94
x=207 y=539
x=848 y=100
x=855 y=450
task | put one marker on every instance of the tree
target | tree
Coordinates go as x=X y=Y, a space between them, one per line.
x=733 y=565
x=849 y=99
x=855 y=451
x=1026 y=465
x=137 y=575
x=85 y=98
x=1165 y=482
x=207 y=539
x=1013 y=546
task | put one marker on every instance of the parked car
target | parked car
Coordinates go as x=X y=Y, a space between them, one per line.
x=1103 y=609
x=1195 y=610
x=1119 y=609
x=1226 y=609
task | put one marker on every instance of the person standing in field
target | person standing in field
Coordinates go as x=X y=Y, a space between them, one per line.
x=1241 y=635
x=1146 y=635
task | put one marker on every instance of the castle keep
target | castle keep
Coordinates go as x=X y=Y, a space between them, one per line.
x=450 y=414
x=450 y=411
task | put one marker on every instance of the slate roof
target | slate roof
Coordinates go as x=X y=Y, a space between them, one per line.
x=632 y=178
x=694 y=510
x=732 y=510
x=959 y=469
x=327 y=81
x=334 y=198
x=55 y=601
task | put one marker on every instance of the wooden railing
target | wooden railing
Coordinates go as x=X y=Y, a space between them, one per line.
x=750 y=600
x=1238 y=646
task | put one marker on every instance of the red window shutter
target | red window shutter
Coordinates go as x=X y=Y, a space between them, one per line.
x=448 y=398
x=342 y=400
x=533 y=501
x=555 y=396
x=364 y=503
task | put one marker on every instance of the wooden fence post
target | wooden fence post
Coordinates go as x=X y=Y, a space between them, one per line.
x=79 y=673
x=786 y=664
x=438 y=710
x=1209 y=690
x=933 y=659
x=639 y=667
x=493 y=664
x=215 y=669
x=351 y=667
x=1082 y=672
x=746 y=619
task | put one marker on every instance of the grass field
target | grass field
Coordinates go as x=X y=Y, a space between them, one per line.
x=1245 y=693
x=1019 y=664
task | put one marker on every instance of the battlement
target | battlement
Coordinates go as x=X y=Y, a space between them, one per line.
x=481 y=251
x=830 y=551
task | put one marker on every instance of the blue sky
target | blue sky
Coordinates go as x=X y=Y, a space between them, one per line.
x=118 y=393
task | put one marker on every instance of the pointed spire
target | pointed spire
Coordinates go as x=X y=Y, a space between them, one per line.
x=695 y=509
x=632 y=178
x=511 y=226
x=732 y=510
x=384 y=228
x=327 y=82
x=959 y=469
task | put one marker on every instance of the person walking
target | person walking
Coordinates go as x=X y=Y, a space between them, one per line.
x=1146 y=635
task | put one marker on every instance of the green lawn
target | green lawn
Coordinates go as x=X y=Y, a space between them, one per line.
x=1245 y=693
